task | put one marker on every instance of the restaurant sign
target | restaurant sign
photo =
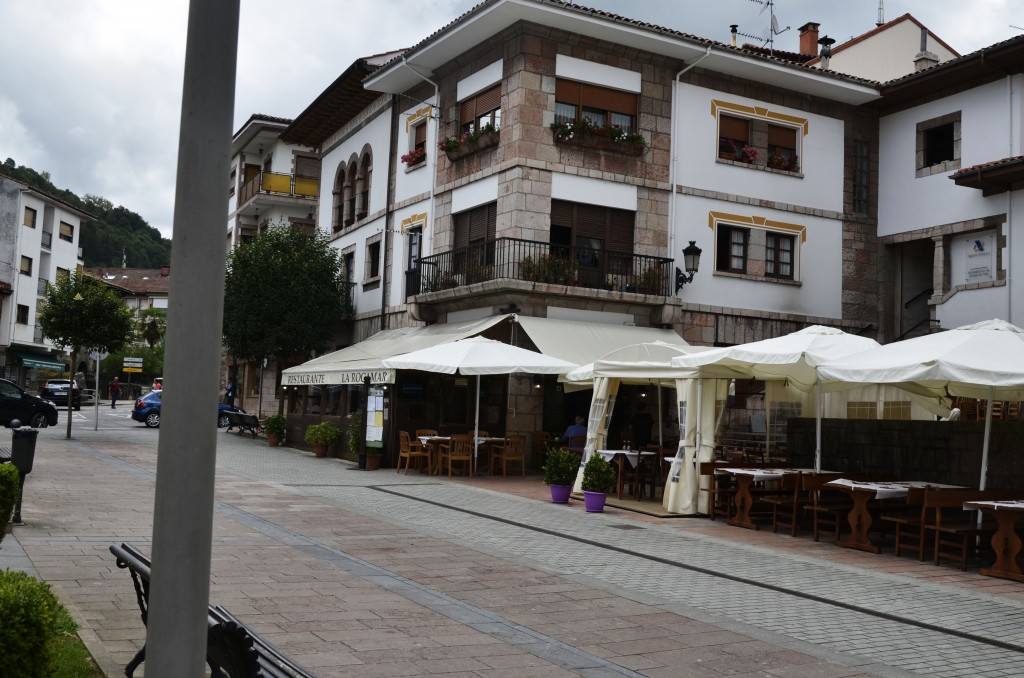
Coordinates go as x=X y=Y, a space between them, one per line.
x=339 y=378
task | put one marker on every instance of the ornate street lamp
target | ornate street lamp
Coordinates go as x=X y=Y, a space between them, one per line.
x=691 y=260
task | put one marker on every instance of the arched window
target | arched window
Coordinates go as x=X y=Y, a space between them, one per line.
x=338 y=201
x=350 y=193
x=363 y=184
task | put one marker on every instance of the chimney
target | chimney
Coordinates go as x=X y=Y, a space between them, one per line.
x=809 y=39
x=734 y=28
x=925 y=59
x=165 y=271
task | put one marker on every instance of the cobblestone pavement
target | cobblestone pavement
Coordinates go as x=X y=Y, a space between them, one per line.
x=355 y=573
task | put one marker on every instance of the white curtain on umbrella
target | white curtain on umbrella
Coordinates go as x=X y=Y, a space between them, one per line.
x=601 y=407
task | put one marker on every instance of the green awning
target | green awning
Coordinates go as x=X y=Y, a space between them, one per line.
x=38 y=360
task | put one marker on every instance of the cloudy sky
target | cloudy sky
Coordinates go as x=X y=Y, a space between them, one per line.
x=91 y=89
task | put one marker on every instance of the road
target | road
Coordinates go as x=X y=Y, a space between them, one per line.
x=356 y=573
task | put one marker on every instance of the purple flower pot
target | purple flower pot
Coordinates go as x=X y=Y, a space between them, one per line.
x=560 y=493
x=594 y=501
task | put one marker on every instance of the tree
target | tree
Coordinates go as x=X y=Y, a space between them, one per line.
x=285 y=293
x=79 y=313
x=152 y=326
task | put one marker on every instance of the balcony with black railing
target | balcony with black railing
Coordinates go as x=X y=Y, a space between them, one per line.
x=541 y=262
x=41 y=286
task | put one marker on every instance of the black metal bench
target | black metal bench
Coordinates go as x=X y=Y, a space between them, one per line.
x=245 y=422
x=233 y=650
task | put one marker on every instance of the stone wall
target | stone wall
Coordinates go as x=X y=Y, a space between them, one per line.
x=943 y=452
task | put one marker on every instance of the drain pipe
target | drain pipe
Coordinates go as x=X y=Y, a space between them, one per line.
x=1009 y=204
x=389 y=219
x=672 y=156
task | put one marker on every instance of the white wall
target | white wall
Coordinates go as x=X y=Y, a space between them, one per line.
x=820 y=263
x=907 y=203
x=821 y=156
x=887 y=55
x=416 y=181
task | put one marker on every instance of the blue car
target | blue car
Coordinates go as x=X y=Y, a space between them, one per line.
x=147 y=410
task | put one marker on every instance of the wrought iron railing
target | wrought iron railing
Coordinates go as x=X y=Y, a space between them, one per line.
x=279 y=184
x=543 y=262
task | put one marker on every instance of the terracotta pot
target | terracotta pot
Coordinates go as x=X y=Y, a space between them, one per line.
x=320 y=449
x=372 y=462
x=273 y=441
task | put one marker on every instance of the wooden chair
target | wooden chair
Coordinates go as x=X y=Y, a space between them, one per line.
x=513 y=449
x=457 y=450
x=788 y=505
x=721 y=489
x=577 y=442
x=910 y=526
x=828 y=507
x=409 y=450
x=435 y=462
x=956 y=531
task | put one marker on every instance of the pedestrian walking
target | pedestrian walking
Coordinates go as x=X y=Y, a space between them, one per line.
x=114 y=388
x=229 y=393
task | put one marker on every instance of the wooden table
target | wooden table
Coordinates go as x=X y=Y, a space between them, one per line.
x=1005 y=542
x=862 y=492
x=432 y=443
x=744 y=499
x=621 y=456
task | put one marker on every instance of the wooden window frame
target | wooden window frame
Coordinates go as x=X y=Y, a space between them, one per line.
x=69 y=236
x=481 y=109
x=588 y=100
x=773 y=251
x=724 y=243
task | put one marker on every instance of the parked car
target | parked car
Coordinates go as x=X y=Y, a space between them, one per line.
x=147 y=410
x=56 y=391
x=32 y=410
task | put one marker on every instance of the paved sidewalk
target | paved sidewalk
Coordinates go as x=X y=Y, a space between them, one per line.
x=355 y=573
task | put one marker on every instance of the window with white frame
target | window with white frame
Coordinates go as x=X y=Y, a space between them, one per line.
x=371 y=263
x=759 y=137
x=756 y=248
x=601 y=106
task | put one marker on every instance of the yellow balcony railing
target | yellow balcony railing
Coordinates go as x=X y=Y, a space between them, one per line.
x=279 y=184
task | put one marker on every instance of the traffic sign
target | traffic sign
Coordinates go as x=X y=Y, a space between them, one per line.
x=133 y=362
x=132 y=369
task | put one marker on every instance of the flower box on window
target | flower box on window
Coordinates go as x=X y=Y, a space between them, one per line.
x=585 y=134
x=415 y=157
x=483 y=142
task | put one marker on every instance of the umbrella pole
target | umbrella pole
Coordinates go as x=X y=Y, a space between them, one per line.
x=817 y=432
x=988 y=434
x=476 y=428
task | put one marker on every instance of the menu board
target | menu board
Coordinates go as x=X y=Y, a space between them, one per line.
x=375 y=417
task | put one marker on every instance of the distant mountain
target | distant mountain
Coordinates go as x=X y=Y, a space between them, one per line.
x=116 y=236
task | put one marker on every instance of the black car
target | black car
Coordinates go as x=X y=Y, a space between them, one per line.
x=147 y=410
x=28 y=409
x=56 y=391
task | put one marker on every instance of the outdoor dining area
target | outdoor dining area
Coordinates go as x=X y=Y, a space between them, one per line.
x=847 y=441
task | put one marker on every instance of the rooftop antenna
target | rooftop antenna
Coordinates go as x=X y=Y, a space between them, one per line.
x=881 y=13
x=768 y=37
x=1017 y=27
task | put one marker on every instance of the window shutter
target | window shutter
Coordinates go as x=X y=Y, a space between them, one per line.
x=461 y=230
x=733 y=128
x=591 y=222
x=620 y=231
x=561 y=213
x=307 y=166
x=567 y=91
x=784 y=137
x=608 y=99
x=489 y=100
x=419 y=134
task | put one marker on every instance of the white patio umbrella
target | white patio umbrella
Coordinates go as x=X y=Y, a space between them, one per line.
x=478 y=355
x=791 y=357
x=983 y=360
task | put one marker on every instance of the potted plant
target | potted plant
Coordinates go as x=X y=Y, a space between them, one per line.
x=415 y=157
x=321 y=436
x=275 y=426
x=598 y=481
x=560 y=469
x=373 y=456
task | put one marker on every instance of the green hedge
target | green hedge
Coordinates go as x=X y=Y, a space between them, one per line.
x=8 y=495
x=29 y=612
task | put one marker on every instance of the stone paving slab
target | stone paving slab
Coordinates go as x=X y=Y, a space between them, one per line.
x=380 y=574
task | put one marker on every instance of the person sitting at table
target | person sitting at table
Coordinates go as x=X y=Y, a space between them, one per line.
x=577 y=429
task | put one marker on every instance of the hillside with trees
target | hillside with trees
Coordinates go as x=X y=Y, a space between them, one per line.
x=116 y=233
